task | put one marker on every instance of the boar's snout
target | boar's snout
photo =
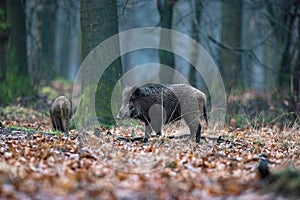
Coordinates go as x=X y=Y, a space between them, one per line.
x=119 y=116
x=122 y=113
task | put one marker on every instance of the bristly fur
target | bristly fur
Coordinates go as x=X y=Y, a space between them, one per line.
x=60 y=113
x=158 y=104
x=147 y=96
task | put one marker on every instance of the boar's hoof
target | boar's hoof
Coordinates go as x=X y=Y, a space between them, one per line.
x=145 y=140
x=197 y=139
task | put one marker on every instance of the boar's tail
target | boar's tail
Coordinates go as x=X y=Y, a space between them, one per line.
x=205 y=114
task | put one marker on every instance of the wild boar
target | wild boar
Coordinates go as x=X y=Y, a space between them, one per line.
x=60 y=113
x=159 y=104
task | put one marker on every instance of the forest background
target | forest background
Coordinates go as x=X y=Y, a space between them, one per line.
x=43 y=47
x=255 y=45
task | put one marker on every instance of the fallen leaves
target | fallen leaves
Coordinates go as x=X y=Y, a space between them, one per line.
x=39 y=165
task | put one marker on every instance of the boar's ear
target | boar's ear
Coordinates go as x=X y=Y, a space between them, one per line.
x=135 y=93
x=135 y=90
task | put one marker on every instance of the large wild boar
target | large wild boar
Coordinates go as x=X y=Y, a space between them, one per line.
x=60 y=113
x=158 y=104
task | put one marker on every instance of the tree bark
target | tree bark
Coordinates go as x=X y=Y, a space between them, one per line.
x=15 y=79
x=17 y=38
x=165 y=8
x=99 y=21
x=230 y=62
x=48 y=29
x=3 y=40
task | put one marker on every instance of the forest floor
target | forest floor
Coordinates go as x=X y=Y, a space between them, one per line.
x=36 y=163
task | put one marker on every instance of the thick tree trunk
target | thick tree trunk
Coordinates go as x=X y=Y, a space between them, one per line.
x=99 y=21
x=230 y=62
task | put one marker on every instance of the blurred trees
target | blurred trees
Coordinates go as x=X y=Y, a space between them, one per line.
x=39 y=40
x=139 y=14
x=13 y=63
x=255 y=43
x=52 y=39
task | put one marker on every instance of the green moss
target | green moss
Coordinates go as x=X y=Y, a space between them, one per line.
x=31 y=130
x=84 y=110
x=49 y=92
x=62 y=80
x=19 y=128
x=3 y=22
x=57 y=132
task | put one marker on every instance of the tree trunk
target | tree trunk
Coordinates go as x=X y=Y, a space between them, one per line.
x=285 y=34
x=297 y=75
x=230 y=61
x=15 y=80
x=3 y=40
x=165 y=8
x=99 y=21
x=35 y=45
x=197 y=7
x=17 y=38
x=48 y=29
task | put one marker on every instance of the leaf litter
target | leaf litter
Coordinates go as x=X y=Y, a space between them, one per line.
x=35 y=163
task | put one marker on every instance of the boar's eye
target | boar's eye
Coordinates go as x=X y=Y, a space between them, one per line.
x=130 y=106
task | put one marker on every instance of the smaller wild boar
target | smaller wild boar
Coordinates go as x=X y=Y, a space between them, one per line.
x=60 y=113
x=159 y=104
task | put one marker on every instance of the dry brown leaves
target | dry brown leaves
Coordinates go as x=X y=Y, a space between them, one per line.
x=44 y=166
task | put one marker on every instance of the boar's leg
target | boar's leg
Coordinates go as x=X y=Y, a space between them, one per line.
x=53 y=121
x=194 y=125
x=65 y=123
x=58 y=125
x=156 y=126
x=148 y=131
x=198 y=133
